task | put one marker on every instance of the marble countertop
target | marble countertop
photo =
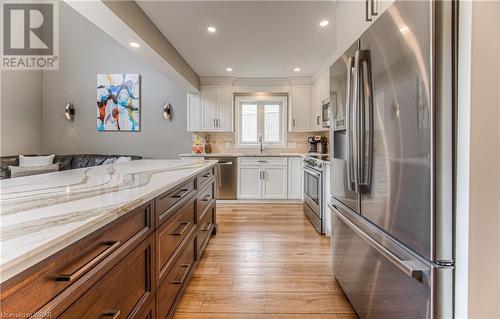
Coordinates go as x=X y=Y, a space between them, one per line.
x=42 y=214
x=244 y=155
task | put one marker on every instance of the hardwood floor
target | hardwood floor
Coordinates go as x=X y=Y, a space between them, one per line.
x=266 y=262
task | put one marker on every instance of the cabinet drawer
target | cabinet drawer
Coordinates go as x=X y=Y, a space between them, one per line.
x=261 y=160
x=205 y=177
x=204 y=199
x=206 y=226
x=172 y=200
x=76 y=266
x=172 y=233
x=175 y=281
x=124 y=292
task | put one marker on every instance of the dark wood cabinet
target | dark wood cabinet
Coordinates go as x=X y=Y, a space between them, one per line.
x=136 y=267
x=62 y=277
x=176 y=279
x=172 y=234
x=124 y=292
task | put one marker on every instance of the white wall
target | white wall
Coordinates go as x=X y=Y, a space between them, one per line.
x=478 y=219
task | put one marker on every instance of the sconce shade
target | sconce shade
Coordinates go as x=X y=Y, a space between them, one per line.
x=69 y=111
x=167 y=111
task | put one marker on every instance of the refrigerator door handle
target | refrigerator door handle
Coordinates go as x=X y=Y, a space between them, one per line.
x=365 y=106
x=411 y=268
x=357 y=136
x=351 y=181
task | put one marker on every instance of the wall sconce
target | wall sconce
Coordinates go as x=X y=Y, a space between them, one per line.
x=167 y=111
x=69 y=111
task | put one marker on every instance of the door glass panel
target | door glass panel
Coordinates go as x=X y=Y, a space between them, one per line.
x=249 y=123
x=272 y=123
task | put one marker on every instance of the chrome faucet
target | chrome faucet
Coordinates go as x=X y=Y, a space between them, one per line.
x=261 y=144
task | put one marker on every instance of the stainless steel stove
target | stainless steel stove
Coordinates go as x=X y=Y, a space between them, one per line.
x=314 y=190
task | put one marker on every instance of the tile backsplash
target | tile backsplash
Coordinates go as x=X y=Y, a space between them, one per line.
x=226 y=142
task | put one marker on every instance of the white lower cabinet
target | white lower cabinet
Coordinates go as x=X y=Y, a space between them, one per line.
x=262 y=178
x=250 y=182
x=275 y=186
x=295 y=178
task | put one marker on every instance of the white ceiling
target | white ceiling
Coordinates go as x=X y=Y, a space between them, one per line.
x=258 y=39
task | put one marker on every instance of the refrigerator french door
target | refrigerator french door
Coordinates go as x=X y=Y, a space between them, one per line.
x=393 y=246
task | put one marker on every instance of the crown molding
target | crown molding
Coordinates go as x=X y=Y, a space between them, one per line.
x=217 y=80
x=301 y=81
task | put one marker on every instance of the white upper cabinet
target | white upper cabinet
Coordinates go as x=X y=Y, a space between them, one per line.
x=212 y=110
x=300 y=109
x=209 y=106
x=320 y=91
x=224 y=108
x=353 y=18
x=315 y=107
x=194 y=118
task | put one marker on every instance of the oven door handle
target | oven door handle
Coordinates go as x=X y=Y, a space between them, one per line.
x=308 y=171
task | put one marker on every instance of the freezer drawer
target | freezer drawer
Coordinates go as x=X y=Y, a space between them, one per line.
x=383 y=280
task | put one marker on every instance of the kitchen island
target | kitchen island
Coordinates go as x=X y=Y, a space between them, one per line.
x=67 y=237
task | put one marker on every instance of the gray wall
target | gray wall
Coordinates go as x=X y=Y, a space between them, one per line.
x=20 y=112
x=84 y=52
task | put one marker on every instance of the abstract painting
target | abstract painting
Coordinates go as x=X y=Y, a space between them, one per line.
x=118 y=102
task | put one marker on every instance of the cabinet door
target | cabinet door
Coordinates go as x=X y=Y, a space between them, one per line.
x=225 y=108
x=275 y=185
x=194 y=118
x=295 y=181
x=351 y=22
x=324 y=85
x=250 y=182
x=315 y=107
x=300 y=113
x=209 y=107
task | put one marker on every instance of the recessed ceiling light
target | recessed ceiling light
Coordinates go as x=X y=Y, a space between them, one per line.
x=229 y=69
x=324 y=23
x=211 y=29
x=134 y=44
x=297 y=69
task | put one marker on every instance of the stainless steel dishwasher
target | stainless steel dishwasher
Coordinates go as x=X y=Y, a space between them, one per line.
x=227 y=177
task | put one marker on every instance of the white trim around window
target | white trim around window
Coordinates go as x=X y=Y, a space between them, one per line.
x=258 y=104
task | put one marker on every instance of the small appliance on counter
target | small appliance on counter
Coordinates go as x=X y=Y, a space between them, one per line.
x=318 y=144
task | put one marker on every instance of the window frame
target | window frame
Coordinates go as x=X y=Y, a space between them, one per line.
x=261 y=99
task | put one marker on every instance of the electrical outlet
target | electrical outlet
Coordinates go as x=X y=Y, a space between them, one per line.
x=227 y=145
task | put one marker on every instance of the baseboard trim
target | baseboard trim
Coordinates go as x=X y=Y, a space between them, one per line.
x=258 y=201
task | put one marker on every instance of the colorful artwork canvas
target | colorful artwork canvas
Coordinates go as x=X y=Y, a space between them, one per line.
x=118 y=102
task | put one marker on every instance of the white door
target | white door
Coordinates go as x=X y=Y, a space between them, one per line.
x=250 y=182
x=275 y=184
x=295 y=180
x=209 y=107
x=300 y=114
x=224 y=108
x=194 y=118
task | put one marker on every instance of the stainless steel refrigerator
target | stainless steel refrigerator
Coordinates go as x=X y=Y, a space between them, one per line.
x=392 y=96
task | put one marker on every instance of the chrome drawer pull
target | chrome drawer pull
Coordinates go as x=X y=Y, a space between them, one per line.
x=207 y=227
x=181 y=193
x=207 y=198
x=183 y=229
x=114 y=313
x=184 y=276
x=97 y=259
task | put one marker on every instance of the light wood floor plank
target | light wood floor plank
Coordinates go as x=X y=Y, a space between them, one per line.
x=266 y=262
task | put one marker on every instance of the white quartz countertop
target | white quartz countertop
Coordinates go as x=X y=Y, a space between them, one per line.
x=244 y=155
x=42 y=214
